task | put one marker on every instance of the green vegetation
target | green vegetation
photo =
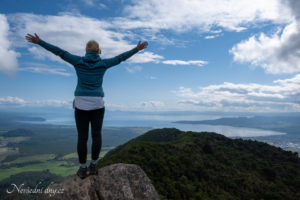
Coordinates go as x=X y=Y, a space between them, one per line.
x=6 y=151
x=26 y=159
x=4 y=141
x=47 y=150
x=56 y=167
x=189 y=165
x=40 y=179
x=18 y=132
x=71 y=155
x=74 y=155
x=8 y=145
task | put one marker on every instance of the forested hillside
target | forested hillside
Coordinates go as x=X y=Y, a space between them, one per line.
x=190 y=165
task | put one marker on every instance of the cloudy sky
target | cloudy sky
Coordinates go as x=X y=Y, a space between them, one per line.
x=203 y=55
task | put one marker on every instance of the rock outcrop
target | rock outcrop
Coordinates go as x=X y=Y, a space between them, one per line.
x=117 y=181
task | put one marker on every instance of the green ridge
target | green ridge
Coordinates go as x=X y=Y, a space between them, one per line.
x=190 y=165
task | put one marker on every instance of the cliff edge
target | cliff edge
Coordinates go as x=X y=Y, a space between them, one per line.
x=117 y=181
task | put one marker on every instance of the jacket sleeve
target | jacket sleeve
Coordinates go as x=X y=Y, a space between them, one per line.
x=118 y=59
x=66 y=56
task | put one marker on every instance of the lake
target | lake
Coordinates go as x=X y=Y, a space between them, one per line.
x=154 y=120
x=164 y=121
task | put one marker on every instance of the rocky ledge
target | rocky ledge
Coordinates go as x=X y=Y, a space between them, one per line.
x=117 y=181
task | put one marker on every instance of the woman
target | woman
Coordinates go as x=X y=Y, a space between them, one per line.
x=88 y=102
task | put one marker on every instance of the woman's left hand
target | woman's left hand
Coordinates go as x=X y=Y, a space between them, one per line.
x=32 y=38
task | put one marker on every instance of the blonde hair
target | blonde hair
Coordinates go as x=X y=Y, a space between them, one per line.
x=92 y=45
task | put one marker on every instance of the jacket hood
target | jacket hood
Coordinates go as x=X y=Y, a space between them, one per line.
x=92 y=60
x=91 y=57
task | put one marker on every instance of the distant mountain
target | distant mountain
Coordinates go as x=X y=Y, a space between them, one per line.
x=9 y=118
x=288 y=124
x=190 y=165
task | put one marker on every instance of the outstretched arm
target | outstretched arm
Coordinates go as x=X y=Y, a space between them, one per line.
x=124 y=56
x=35 y=39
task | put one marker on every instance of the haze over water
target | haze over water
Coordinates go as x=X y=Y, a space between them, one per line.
x=166 y=121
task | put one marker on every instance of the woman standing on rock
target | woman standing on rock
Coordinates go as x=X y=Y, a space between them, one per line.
x=88 y=102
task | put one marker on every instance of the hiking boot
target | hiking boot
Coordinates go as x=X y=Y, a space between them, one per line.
x=93 y=169
x=82 y=172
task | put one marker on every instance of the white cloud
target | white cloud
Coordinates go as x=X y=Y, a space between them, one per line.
x=276 y=53
x=16 y=101
x=102 y=5
x=94 y=4
x=281 y=96
x=43 y=70
x=141 y=106
x=8 y=57
x=146 y=57
x=292 y=82
x=152 y=77
x=205 y=15
x=133 y=69
x=151 y=104
x=11 y=101
x=50 y=103
x=210 y=37
x=71 y=32
x=199 y=63
x=89 y=2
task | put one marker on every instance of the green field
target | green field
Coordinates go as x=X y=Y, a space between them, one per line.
x=41 y=158
x=71 y=155
x=45 y=161
x=6 y=151
x=5 y=140
x=55 y=167
x=61 y=166
x=74 y=155
x=51 y=147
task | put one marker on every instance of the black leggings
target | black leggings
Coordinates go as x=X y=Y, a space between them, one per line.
x=83 y=119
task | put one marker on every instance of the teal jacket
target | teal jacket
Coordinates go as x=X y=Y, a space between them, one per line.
x=90 y=69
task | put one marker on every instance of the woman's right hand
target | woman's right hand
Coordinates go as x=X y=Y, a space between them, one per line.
x=33 y=39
